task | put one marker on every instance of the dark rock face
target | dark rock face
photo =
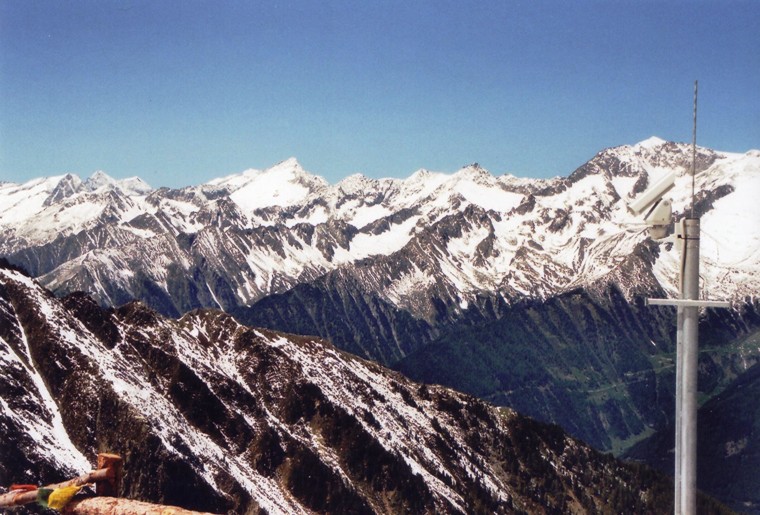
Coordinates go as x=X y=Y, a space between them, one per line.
x=216 y=416
x=337 y=308
x=583 y=362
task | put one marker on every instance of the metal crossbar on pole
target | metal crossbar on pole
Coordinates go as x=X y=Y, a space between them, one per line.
x=687 y=303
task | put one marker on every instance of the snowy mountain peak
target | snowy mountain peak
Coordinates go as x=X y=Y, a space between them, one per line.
x=292 y=172
x=421 y=174
x=355 y=184
x=290 y=164
x=472 y=170
x=99 y=180
x=69 y=185
x=282 y=185
x=650 y=143
x=135 y=186
x=424 y=176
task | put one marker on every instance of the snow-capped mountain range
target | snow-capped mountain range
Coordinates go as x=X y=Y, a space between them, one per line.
x=237 y=239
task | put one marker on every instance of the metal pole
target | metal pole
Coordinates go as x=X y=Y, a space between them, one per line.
x=679 y=406
x=690 y=343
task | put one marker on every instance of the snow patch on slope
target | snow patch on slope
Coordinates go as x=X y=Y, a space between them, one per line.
x=49 y=433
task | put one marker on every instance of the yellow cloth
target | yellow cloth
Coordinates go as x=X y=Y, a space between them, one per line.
x=60 y=497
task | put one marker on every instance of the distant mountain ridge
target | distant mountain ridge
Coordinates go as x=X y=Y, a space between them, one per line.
x=240 y=238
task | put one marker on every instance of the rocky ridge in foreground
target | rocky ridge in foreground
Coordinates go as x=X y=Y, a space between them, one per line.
x=212 y=415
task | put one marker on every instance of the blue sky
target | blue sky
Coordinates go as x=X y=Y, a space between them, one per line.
x=179 y=92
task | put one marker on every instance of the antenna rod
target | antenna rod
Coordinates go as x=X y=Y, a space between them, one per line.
x=694 y=149
x=688 y=328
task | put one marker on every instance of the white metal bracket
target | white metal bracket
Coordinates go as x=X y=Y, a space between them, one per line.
x=687 y=303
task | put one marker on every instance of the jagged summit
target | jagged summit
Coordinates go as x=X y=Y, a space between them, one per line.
x=99 y=179
x=287 y=164
x=473 y=172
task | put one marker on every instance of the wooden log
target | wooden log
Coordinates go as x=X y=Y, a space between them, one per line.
x=114 y=506
x=110 y=486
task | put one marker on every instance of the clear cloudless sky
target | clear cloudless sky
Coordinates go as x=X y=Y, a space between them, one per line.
x=179 y=92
